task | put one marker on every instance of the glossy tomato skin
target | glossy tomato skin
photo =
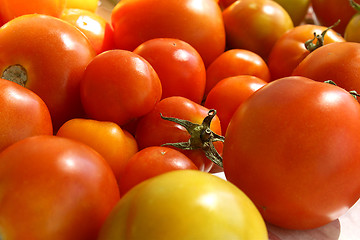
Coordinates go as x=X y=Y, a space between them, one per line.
x=289 y=50
x=99 y=32
x=116 y=145
x=330 y=11
x=23 y=114
x=54 y=55
x=11 y=9
x=179 y=66
x=276 y=152
x=337 y=62
x=229 y=94
x=151 y=162
x=297 y=9
x=236 y=62
x=197 y=22
x=64 y=190
x=152 y=130
x=255 y=25
x=147 y=211
x=119 y=86
x=351 y=33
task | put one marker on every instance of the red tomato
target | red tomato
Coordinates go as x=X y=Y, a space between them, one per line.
x=197 y=22
x=119 y=86
x=152 y=130
x=54 y=188
x=229 y=94
x=236 y=62
x=14 y=8
x=329 y=11
x=292 y=154
x=50 y=57
x=23 y=114
x=179 y=66
x=337 y=62
x=116 y=145
x=99 y=32
x=289 y=50
x=255 y=25
x=150 y=162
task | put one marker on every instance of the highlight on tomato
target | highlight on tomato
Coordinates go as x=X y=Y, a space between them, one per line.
x=23 y=114
x=184 y=204
x=302 y=142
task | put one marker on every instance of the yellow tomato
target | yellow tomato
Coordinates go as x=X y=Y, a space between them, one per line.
x=90 y=5
x=184 y=204
x=297 y=9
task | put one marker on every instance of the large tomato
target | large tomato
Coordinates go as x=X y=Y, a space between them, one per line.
x=255 y=25
x=118 y=86
x=179 y=66
x=152 y=130
x=185 y=204
x=289 y=50
x=116 y=145
x=11 y=9
x=23 y=114
x=198 y=22
x=296 y=154
x=48 y=56
x=338 y=62
x=54 y=188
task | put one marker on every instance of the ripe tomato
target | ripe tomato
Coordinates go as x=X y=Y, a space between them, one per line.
x=152 y=130
x=186 y=204
x=236 y=62
x=170 y=57
x=197 y=22
x=23 y=114
x=11 y=9
x=289 y=50
x=99 y=32
x=337 y=62
x=90 y=5
x=229 y=94
x=329 y=11
x=151 y=162
x=116 y=145
x=297 y=164
x=118 y=86
x=50 y=57
x=54 y=188
x=255 y=25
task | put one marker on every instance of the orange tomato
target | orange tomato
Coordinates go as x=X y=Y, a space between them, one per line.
x=90 y=5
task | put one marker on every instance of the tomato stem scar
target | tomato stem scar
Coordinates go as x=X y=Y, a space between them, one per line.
x=15 y=73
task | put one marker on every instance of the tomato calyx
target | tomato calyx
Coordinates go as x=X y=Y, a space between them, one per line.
x=352 y=92
x=16 y=73
x=311 y=46
x=201 y=137
x=355 y=5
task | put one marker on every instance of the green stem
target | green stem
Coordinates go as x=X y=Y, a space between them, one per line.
x=311 y=46
x=355 y=5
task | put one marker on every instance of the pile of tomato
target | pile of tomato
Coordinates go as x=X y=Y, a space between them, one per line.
x=113 y=129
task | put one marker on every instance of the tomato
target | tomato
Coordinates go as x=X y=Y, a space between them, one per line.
x=118 y=86
x=185 y=204
x=11 y=9
x=255 y=25
x=90 y=5
x=289 y=50
x=197 y=22
x=351 y=33
x=23 y=114
x=169 y=57
x=151 y=162
x=297 y=9
x=152 y=130
x=54 y=188
x=229 y=94
x=297 y=164
x=329 y=11
x=236 y=62
x=116 y=145
x=99 y=32
x=50 y=57
x=337 y=62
